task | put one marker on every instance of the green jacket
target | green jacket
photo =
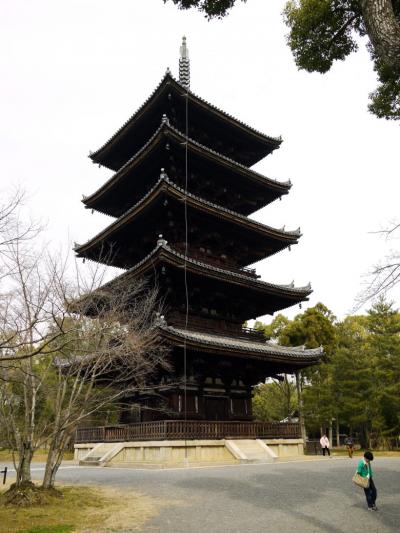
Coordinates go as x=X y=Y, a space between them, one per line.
x=363 y=469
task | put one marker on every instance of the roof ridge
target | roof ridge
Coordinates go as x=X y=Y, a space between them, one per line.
x=149 y=192
x=165 y=123
x=269 y=137
x=161 y=244
x=241 y=342
x=289 y=286
x=287 y=183
x=164 y=178
x=295 y=232
x=168 y=74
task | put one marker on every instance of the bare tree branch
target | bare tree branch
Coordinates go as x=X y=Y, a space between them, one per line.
x=67 y=353
x=385 y=275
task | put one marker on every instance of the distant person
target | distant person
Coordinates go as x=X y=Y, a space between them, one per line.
x=365 y=470
x=350 y=446
x=324 y=441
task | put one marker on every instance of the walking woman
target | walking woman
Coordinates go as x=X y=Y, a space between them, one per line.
x=365 y=470
x=324 y=442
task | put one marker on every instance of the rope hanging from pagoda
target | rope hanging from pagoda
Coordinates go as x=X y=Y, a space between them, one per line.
x=184 y=80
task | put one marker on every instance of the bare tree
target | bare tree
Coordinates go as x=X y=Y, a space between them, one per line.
x=114 y=354
x=386 y=274
x=68 y=349
x=12 y=228
x=26 y=305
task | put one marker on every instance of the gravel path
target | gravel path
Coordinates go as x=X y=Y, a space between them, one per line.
x=295 y=497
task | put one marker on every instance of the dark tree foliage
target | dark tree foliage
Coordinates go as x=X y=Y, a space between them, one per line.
x=323 y=31
x=385 y=100
x=211 y=8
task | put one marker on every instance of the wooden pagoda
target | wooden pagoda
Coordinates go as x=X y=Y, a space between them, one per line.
x=180 y=193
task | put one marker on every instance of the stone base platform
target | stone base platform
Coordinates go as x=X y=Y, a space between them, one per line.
x=180 y=453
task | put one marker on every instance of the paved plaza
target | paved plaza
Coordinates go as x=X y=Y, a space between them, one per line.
x=295 y=497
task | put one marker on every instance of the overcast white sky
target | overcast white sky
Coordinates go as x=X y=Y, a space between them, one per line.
x=72 y=71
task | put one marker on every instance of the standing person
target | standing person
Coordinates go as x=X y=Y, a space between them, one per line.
x=350 y=446
x=365 y=470
x=324 y=441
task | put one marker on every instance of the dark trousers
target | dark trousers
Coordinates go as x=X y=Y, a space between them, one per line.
x=370 y=494
x=325 y=449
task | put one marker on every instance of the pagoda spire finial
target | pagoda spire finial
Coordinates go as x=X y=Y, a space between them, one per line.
x=184 y=65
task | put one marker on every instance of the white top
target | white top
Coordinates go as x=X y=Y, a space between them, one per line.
x=324 y=441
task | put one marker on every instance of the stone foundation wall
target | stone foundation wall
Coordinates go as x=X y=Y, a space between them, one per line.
x=286 y=447
x=179 y=453
x=173 y=453
x=80 y=450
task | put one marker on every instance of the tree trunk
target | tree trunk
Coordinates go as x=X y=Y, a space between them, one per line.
x=288 y=396
x=301 y=407
x=56 y=452
x=337 y=432
x=24 y=464
x=364 y=437
x=56 y=466
x=48 y=472
x=383 y=30
x=330 y=432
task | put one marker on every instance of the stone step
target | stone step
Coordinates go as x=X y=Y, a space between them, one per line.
x=89 y=462
x=251 y=450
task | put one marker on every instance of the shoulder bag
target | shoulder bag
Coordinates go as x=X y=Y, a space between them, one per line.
x=360 y=481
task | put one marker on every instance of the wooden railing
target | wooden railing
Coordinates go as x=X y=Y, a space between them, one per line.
x=189 y=429
x=216 y=327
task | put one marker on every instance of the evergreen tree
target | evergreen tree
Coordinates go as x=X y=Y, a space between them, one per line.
x=275 y=401
x=274 y=330
x=383 y=322
x=350 y=376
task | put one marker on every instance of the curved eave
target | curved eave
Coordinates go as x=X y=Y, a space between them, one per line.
x=287 y=238
x=99 y=155
x=240 y=347
x=165 y=253
x=165 y=129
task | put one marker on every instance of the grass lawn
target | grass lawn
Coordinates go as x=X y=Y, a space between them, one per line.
x=40 y=456
x=82 y=509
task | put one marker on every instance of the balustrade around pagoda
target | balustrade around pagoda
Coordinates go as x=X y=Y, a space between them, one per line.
x=216 y=327
x=189 y=429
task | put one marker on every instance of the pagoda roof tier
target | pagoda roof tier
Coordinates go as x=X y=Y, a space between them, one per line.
x=296 y=357
x=247 y=297
x=211 y=174
x=212 y=228
x=207 y=124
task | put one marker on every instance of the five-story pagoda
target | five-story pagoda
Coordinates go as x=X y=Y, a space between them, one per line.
x=181 y=193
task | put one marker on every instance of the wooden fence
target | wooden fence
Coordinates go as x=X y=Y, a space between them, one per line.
x=190 y=429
